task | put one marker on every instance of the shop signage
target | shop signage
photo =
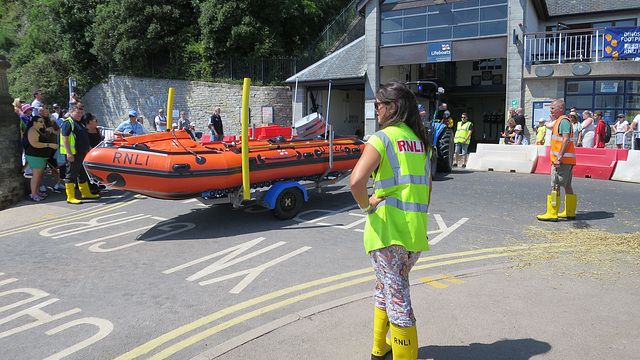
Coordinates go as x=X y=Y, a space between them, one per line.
x=622 y=42
x=267 y=114
x=609 y=87
x=439 y=52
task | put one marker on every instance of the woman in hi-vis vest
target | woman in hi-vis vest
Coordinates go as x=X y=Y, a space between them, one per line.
x=395 y=233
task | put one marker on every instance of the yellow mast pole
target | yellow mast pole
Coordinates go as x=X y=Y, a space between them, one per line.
x=170 y=109
x=245 y=139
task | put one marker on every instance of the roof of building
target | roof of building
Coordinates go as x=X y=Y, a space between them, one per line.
x=573 y=7
x=344 y=65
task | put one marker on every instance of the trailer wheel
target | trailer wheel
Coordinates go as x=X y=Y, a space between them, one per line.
x=288 y=203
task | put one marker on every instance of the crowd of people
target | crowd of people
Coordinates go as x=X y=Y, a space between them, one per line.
x=58 y=138
x=589 y=129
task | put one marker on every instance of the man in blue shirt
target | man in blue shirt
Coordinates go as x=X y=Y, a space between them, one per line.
x=129 y=127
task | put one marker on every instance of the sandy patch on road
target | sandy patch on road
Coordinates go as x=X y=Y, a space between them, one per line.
x=583 y=252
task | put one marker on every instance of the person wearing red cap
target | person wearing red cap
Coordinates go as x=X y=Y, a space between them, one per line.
x=27 y=113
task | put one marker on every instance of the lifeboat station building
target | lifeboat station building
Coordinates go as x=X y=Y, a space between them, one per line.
x=487 y=56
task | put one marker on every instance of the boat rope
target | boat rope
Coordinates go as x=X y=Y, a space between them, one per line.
x=199 y=159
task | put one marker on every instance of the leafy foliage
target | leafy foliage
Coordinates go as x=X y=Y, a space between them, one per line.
x=132 y=36
x=48 y=41
x=262 y=27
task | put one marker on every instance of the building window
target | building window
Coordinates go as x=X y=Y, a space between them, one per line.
x=458 y=20
x=487 y=64
x=612 y=96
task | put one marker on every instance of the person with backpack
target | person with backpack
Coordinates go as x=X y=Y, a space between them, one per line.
x=602 y=129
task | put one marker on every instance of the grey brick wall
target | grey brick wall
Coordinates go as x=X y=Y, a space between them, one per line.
x=111 y=101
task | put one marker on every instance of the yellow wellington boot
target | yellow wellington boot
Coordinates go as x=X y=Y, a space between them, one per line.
x=381 y=345
x=71 y=194
x=86 y=192
x=404 y=343
x=570 y=203
x=552 y=209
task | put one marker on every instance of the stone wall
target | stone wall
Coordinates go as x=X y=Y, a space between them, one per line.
x=11 y=179
x=112 y=101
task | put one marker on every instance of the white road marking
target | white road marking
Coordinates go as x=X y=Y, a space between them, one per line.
x=232 y=257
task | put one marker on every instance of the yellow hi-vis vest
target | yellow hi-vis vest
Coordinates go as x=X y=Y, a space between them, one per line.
x=462 y=132
x=403 y=178
x=72 y=139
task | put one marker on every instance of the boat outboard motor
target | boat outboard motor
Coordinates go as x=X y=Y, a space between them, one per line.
x=310 y=126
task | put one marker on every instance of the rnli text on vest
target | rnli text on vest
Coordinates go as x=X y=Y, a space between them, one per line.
x=410 y=146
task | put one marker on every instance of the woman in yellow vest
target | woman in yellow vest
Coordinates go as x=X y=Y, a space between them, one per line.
x=395 y=233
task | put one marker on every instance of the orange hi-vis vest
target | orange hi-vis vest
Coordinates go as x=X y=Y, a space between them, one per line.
x=569 y=156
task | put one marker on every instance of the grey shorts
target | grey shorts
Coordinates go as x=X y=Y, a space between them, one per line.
x=461 y=148
x=561 y=176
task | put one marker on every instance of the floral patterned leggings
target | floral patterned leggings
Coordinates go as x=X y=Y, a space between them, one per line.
x=392 y=265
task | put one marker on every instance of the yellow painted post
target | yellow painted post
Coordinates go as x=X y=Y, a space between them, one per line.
x=170 y=109
x=245 y=139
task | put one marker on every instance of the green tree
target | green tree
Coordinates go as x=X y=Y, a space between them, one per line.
x=263 y=27
x=53 y=40
x=133 y=36
x=48 y=41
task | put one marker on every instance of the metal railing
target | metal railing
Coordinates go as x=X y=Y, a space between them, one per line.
x=628 y=141
x=265 y=70
x=564 y=46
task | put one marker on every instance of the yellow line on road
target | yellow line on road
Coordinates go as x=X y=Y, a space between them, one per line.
x=250 y=315
x=157 y=342
x=434 y=283
x=451 y=280
x=81 y=215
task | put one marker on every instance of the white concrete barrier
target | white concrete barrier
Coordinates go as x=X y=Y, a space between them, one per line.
x=510 y=158
x=628 y=170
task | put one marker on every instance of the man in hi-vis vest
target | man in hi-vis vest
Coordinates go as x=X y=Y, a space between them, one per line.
x=74 y=139
x=563 y=158
x=462 y=140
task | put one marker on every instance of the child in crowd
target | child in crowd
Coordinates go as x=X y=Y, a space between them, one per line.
x=540 y=131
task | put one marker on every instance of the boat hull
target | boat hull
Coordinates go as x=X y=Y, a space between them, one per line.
x=172 y=166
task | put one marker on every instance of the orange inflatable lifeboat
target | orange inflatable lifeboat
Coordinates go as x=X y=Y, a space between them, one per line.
x=171 y=165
